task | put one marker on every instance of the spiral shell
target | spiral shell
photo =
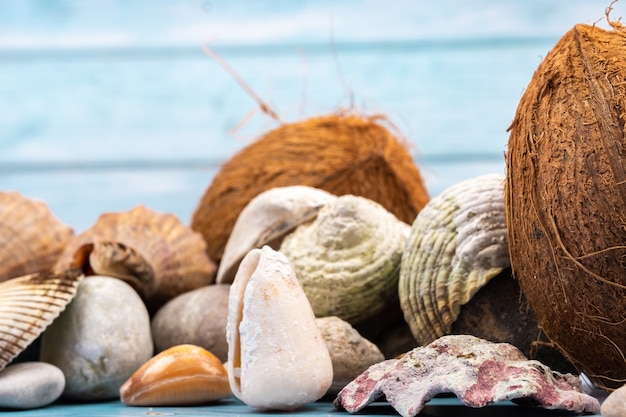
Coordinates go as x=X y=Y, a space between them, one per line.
x=28 y=304
x=266 y=219
x=154 y=252
x=31 y=237
x=458 y=242
x=348 y=259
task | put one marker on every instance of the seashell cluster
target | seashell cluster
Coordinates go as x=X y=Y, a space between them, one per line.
x=178 y=376
x=154 y=252
x=266 y=220
x=29 y=304
x=31 y=237
x=458 y=242
x=476 y=371
x=348 y=258
x=277 y=358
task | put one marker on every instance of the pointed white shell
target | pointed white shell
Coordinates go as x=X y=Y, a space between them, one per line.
x=458 y=242
x=266 y=219
x=348 y=259
x=277 y=358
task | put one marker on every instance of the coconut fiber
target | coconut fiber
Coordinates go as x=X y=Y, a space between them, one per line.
x=566 y=199
x=342 y=154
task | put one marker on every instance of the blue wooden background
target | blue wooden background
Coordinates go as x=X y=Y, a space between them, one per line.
x=109 y=104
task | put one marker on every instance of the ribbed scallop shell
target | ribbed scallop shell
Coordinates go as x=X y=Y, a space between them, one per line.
x=28 y=304
x=154 y=252
x=31 y=237
x=348 y=259
x=266 y=219
x=458 y=242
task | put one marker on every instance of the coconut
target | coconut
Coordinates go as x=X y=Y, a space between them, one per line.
x=339 y=153
x=566 y=199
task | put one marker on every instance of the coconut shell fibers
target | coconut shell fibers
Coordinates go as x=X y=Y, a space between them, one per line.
x=566 y=199
x=341 y=154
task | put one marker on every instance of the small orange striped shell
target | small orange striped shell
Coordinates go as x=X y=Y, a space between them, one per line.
x=181 y=375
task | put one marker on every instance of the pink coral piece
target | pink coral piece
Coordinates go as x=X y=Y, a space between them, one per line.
x=477 y=371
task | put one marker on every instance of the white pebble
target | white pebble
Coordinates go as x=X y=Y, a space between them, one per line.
x=29 y=385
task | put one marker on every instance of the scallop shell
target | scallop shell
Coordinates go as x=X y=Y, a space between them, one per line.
x=31 y=237
x=348 y=259
x=181 y=375
x=458 y=242
x=266 y=219
x=154 y=252
x=28 y=304
x=277 y=358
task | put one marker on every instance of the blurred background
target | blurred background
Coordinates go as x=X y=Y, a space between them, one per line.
x=106 y=104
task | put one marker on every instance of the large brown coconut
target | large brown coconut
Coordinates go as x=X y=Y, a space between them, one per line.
x=566 y=199
x=342 y=154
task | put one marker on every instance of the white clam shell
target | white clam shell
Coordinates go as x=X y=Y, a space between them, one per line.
x=458 y=242
x=266 y=219
x=277 y=358
x=348 y=258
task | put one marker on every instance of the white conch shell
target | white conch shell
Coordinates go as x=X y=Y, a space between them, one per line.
x=277 y=358
x=266 y=219
x=458 y=242
x=348 y=259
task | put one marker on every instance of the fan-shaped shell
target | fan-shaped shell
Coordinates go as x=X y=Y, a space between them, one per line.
x=266 y=220
x=348 y=259
x=31 y=237
x=458 y=242
x=154 y=252
x=28 y=304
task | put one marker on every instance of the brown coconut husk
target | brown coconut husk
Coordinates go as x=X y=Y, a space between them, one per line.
x=566 y=199
x=339 y=153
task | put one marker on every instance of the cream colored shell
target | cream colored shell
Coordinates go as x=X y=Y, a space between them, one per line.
x=277 y=358
x=266 y=219
x=348 y=259
x=31 y=237
x=154 y=252
x=29 y=304
x=458 y=242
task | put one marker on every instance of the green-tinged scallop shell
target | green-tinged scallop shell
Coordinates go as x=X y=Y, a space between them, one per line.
x=266 y=220
x=348 y=259
x=458 y=242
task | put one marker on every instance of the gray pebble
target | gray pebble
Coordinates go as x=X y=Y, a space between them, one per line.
x=100 y=340
x=29 y=385
x=197 y=317
x=615 y=404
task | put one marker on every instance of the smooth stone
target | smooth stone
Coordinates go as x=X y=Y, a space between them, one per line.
x=29 y=385
x=350 y=353
x=615 y=404
x=197 y=317
x=100 y=340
